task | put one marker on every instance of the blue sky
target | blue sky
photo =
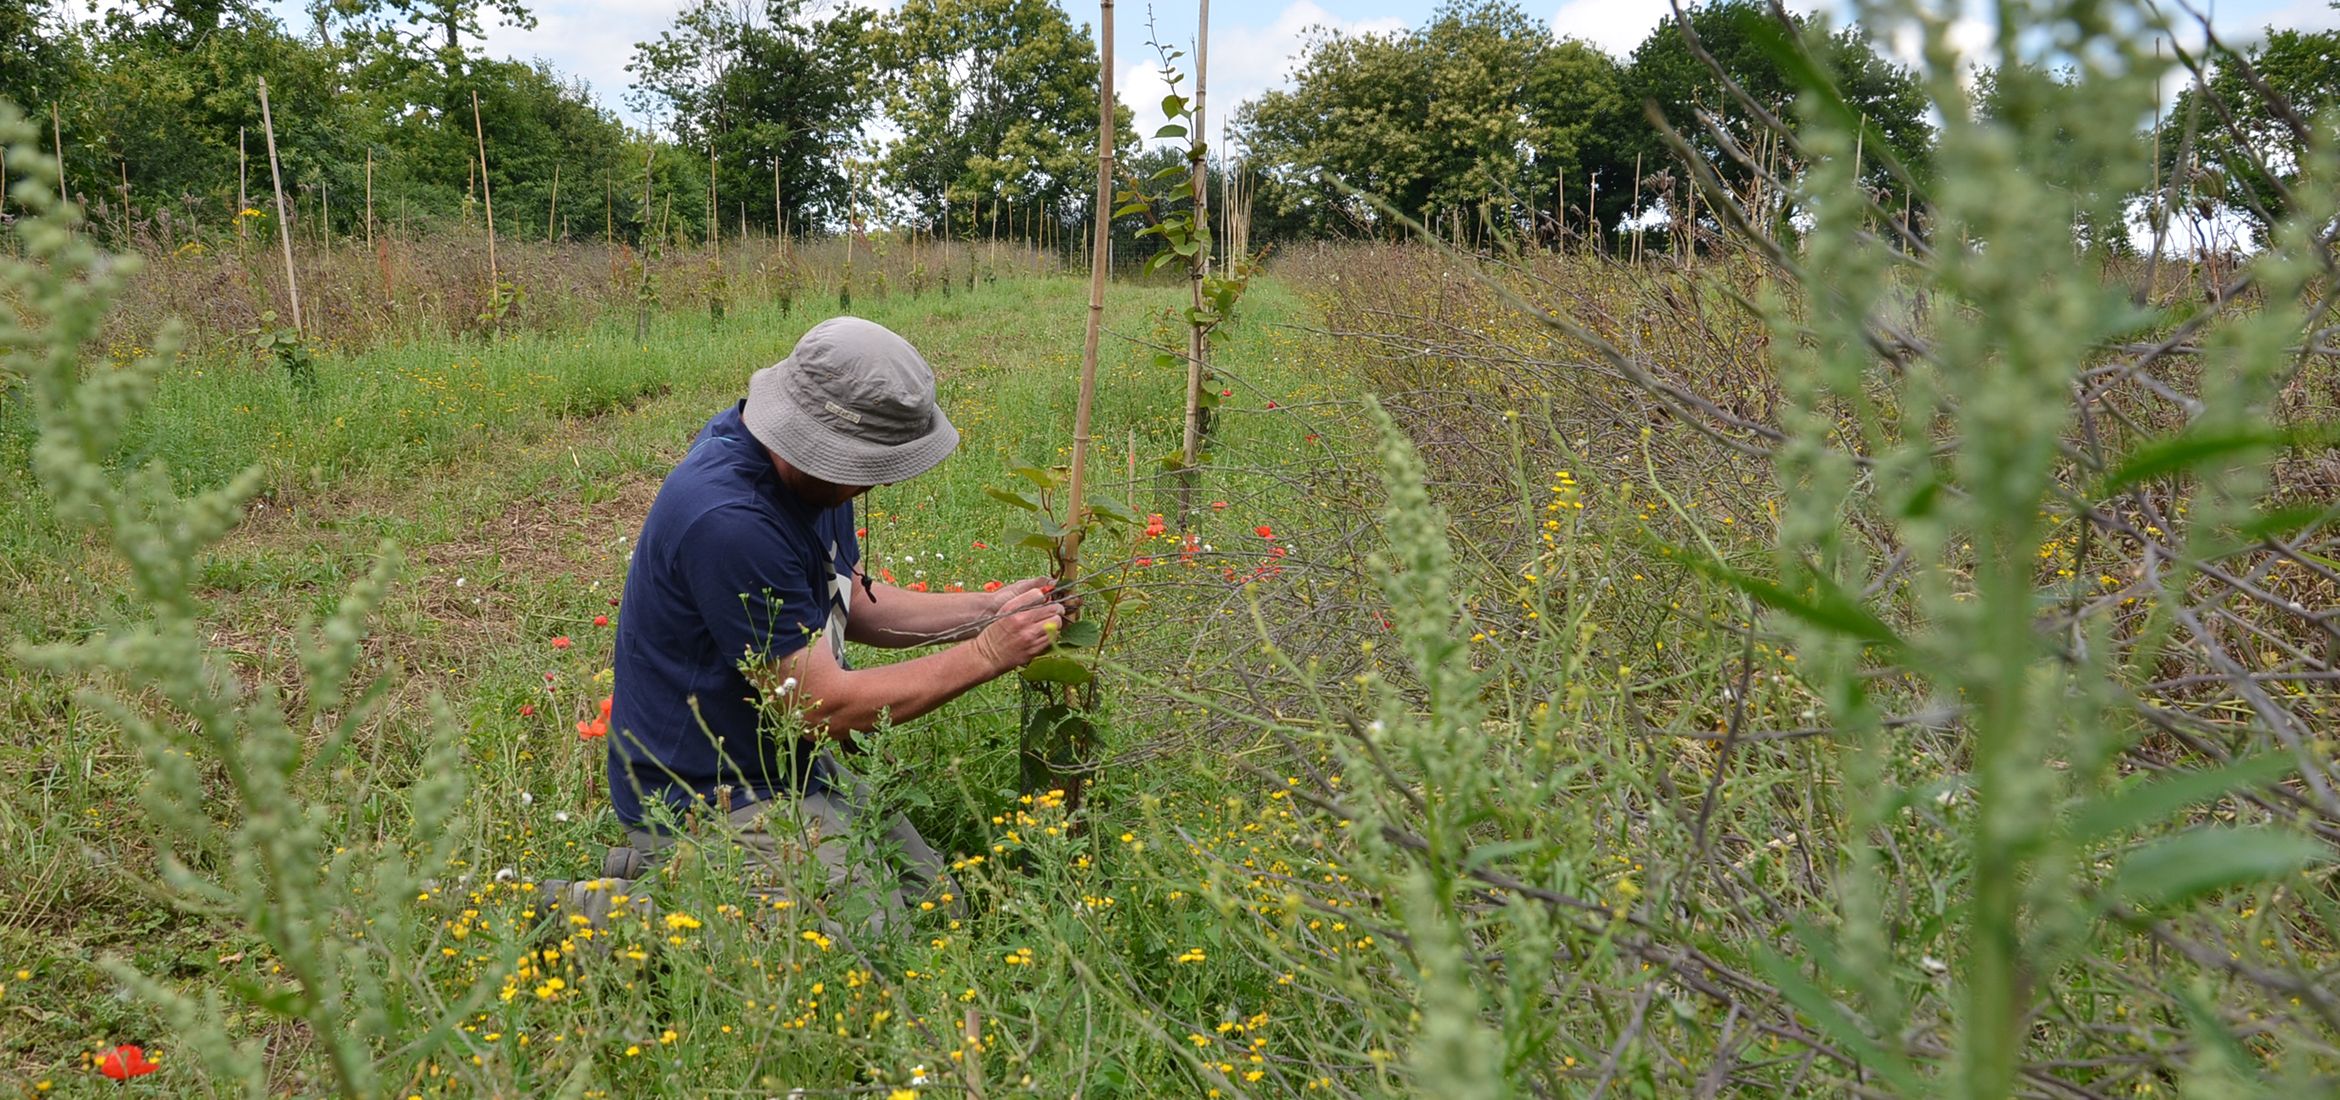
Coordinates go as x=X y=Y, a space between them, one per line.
x=1252 y=41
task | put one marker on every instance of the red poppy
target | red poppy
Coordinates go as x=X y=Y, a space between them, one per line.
x=954 y=586
x=1311 y=437
x=1275 y=551
x=861 y=532
x=587 y=731
x=1155 y=526
x=991 y=586
x=607 y=701
x=548 y=677
x=527 y=710
x=125 y=1062
x=886 y=575
x=601 y=620
x=1145 y=563
x=917 y=586
x=1226 y=393
x=1264 y=531
x=979 y=545
x=1271 y=404
x=561 y=642
x=1218 y=504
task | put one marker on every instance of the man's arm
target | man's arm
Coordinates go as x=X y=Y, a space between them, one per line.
x=898 y=618
x=837 y=702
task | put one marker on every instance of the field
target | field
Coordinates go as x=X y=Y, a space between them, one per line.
x=1849 y=666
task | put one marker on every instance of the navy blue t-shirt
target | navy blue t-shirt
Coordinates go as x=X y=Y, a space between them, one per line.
x=731 y=566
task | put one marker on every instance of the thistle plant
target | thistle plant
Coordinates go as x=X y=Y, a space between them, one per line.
x=234 y=767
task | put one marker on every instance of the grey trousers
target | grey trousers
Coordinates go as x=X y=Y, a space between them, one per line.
x=891 y=869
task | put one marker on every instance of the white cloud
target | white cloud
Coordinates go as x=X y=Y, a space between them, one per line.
x=591 y=39
x=1246 y=60
x=1613 y=26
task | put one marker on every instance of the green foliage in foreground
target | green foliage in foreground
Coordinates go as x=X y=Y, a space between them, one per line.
x=1853 y=804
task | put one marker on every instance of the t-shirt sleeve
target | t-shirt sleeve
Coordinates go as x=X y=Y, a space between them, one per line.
x=752 y=593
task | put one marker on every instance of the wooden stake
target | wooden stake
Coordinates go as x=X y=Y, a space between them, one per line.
x=283 y=226
x=369 y=196
x=642 y=290
x=553 y=207
x=778 y=222
x=714 y=211
x=1100 y=259
x=57 y=129
x=1198 y=268
x=487 y=197
x=325 y=215
x=243 y=193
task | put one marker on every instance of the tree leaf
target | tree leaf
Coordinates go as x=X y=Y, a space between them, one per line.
x=1173 y=130
x=1046 y=479
x=1055 y=668
x=1173 y=106
x=1084 y=634
x=1012 y=497
x=2174 y=870
x=1106 y=507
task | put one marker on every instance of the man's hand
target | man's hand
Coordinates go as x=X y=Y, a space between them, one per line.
x=1026 y=625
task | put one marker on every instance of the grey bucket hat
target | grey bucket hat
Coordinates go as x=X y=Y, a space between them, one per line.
x=853 y=404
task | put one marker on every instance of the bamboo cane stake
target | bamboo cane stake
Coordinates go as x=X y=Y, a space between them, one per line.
x=325 y=215
x=292 y=285
x=487 y=196
x=57 y=130
x=554 y=206
x=1100 y=257
x=714 y=210
x=1198 y=268
x=369 y=197
x=243 y=191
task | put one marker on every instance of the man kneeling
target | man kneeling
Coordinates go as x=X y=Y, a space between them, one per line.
x=749 y=560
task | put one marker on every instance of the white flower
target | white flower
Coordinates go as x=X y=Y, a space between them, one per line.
x=918 y=1075
x=505 y=874
x=560 y=815
x=1933 y=965
x=527 y=799
x=1375 y=727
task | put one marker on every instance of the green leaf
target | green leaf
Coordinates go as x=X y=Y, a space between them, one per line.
x=1055 y=668
x=1830 y=1017
x=1173 y=106
x=1170 y=173
x=1029 y=539
x=2175 y=870
x=1208 y=398
x=2188 y=450
x=1173 y=130
x=1484 y=854
x=1013 y=497
x=2160 y=799
x=1168 y=360
x=1830 y=607
x=1133 y=208
x=1046 y=479
x=1081 y=635
x=1159 y=260
x=1108 y=508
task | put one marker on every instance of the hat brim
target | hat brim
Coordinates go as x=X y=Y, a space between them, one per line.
x=820 y=450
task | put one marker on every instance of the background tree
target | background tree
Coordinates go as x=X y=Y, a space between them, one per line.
x=996 y=101
x=2243 y=155
x=764 y=87
x=1478 y=104
x=1748 y=42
